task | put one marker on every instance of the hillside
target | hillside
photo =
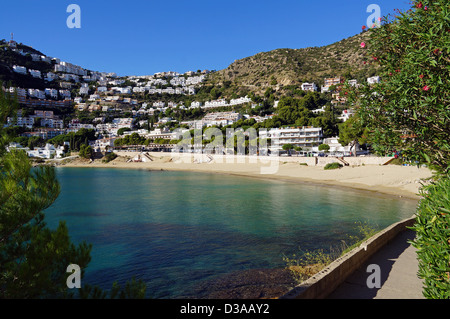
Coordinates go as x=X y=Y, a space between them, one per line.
x=283 y=68
x=8 y=59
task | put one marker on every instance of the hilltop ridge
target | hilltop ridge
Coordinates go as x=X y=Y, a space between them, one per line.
x=282 y=68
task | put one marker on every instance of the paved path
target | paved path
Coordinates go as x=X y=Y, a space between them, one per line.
x=399 y=266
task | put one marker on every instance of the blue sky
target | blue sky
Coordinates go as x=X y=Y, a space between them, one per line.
x=140 y=37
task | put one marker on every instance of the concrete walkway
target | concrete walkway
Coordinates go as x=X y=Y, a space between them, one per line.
x=398 y=269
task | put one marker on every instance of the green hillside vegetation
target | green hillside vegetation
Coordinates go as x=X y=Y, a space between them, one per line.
x=285 y=69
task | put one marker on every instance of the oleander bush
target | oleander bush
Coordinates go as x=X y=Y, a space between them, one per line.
x=433 y=239
x=408 y=110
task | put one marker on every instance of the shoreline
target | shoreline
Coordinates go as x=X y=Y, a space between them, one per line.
x=388 y=180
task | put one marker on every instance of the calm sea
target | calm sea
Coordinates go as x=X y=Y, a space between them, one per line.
x=177 y=230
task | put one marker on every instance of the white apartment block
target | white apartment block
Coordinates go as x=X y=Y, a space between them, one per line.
x=196 y=104
x=46 y=59
x=159 y=104
x=70 y=68
x=44 y=114
x=195 y=80
x=374 y=80
x=309 y=87
x=65 y=94
x=52 y=93
x=52 y=123
x=27 y=121
x=94 y=97
x=35 y=57
x=123 y=122
x=178 y=81
x=304 y=137
x=221 y=118
x=241 y=100
x=20 y=92
x=346 y=114
x=75 y=125
x=50 y=77
x=36 y=94
x=331 y=81
x=353 y=82
x=20 y=69
x=216 y=103
x=84 y=90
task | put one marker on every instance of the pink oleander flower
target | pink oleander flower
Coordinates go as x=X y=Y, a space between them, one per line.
x=419 y=5
x=363 y=44
x=426 y=88
x=364 y=27
x=421 y=76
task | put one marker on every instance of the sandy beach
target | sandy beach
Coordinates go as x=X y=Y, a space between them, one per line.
x=394 y=180
x=365 y=176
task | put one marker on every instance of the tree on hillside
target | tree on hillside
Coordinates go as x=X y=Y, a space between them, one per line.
x=34 y=258
x=288 y=148
x=324 y=147
x=352 y=132
x=292 y=111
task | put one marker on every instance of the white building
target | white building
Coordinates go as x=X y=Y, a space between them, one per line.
x=309 y=87
x=20 y=69
x=353 y=83
x=94 y=97
x=84 y=90
x=220 y=118
x=159 y=104
x=304 y=137
x=26 y=121
x=65 y=94
x=196 y=104
x=50 y=76
x=346 y=114
x=20 y=92
x=374 y=80
x=35 y=57
x=215 y=103
x=36 y=93
x=47 y=152
x=52 y=123
x=104 y=144
x=241 y=100
x=328 y=82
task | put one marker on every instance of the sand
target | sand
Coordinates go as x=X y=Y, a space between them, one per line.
x=379 y=180
x=393 y=180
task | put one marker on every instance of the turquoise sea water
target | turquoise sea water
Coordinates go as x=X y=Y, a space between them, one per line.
x=176 y=230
